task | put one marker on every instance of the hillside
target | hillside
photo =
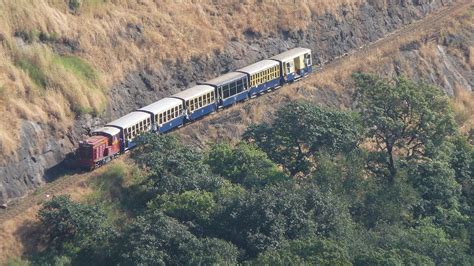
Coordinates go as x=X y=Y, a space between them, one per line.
x=68 y=68
x=329 y=88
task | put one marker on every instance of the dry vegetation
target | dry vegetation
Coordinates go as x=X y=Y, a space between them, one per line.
x=57 y=62
x=101 y=63
x=22 y=234
x=330 y=86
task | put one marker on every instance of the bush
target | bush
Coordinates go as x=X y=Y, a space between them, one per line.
x=74 y=5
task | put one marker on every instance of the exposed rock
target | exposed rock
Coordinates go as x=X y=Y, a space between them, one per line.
x=329 y=36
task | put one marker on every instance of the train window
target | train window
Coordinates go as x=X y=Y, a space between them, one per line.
x=232 y=88
x=239 y=86
x=225 y=91
x=307 y=58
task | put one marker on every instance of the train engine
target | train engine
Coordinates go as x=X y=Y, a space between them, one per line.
x=100 y=148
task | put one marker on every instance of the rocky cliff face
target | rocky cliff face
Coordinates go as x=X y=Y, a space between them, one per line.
x=329 y=36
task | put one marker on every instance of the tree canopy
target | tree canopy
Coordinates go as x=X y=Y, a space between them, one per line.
x=389 y=183
x=404 y=119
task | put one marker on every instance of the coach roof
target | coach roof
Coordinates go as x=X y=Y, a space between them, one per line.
x=259 y=66
x=129 y=119
x=112 y=131
x=193 y=92
x=288 y=55
x=161 y=105
x=226 y=78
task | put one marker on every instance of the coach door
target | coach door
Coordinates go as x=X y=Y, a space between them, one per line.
x=299 y=64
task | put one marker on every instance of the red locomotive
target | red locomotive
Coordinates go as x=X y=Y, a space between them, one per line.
x=100 y=148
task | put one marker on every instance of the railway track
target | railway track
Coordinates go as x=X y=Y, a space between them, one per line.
x=40 y=195
x=430 y=23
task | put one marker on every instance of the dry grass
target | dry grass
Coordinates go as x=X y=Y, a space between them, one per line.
x=464 y=108
x=22 y=234
x=331 y=86
x=113 y=38
x=471 y=56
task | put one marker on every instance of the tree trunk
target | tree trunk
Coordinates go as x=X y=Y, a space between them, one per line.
x=391 y=163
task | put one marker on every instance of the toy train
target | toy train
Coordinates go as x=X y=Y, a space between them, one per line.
x=118 y=136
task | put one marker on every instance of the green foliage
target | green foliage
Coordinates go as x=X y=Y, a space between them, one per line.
x=245 y=164
x=73 y=231
x=68 y=221
x=173 y=167
x=78 y=67
x=306 y=252
x=387 y=204
x=190 y=205
x=426 y=240
x=392 y=257
x=300 y=130
x=262 y=220
x=344 y=174
x=233 y=204
x=74 y=5
x=155 y=239
x=462 y=162
x=405 y=118
x=34 y=71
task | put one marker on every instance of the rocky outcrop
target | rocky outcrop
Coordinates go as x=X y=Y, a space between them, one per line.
x=329 y=36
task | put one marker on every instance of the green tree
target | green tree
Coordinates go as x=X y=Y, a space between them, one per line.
x=305 y=252
x=214 y=251
x=245 y=164
x=462 y=162
x=300 y=130
x=190 y=205
x=404 y=118
x=156 y=239
x=264 y=219
x=392 y=257
x=74 y=231
x=173 y=167
x=426 y=240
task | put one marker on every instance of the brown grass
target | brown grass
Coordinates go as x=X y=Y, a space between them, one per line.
x=471 y=56
x=111 y=43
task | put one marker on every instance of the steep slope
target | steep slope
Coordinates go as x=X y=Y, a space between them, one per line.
x=68 y=68
x=439 y=54
x=415 y=54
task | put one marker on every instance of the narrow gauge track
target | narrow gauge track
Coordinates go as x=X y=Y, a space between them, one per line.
x=428 y=24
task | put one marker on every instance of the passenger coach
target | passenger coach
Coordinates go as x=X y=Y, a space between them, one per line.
x=262 y=76
x=166 y=114
x=199 y=101
x=131 y=126
x=191 y=104
x=294 y=63
x=230 y=88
